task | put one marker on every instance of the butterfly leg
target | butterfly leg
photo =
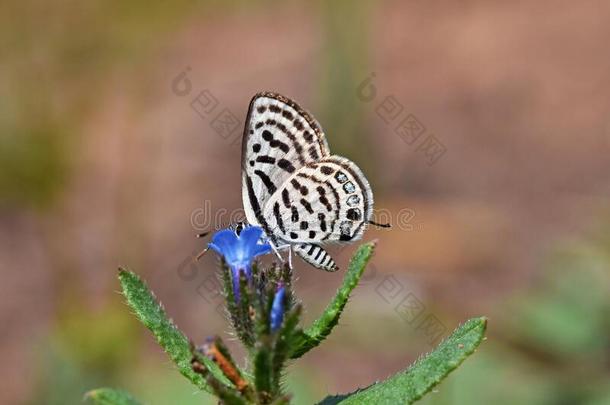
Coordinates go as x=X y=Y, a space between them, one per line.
x=276 y=251
x=290 y=257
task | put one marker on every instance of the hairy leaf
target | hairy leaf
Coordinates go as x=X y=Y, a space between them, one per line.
x=174 y=342
x=263 y=373
x=410 y=385
x=322 y=326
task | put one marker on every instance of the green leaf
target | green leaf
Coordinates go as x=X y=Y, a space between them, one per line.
x=318 y=331
x=284 y=339
x=263 y=372
x=174 y=342
x=109 y=396
x=410 y=385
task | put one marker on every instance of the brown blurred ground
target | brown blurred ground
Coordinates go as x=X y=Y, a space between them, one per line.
x=517 y=92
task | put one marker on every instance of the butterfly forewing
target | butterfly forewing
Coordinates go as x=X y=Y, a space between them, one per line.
x=325 y=201
x=279 y=139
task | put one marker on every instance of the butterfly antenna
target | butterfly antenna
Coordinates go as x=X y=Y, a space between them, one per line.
x=380 y=225
x=200 y=255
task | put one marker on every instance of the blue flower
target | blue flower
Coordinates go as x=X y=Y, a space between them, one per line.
x=239 y=251
x=277 y=308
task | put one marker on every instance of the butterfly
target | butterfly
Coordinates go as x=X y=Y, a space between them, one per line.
x=301 y=195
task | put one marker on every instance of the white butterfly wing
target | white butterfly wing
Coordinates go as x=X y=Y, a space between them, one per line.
x=326 y=201
x=279 y=139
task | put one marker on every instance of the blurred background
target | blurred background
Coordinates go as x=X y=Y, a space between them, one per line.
x=483 y=127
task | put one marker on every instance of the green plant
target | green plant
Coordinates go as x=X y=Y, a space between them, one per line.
x=265 y=316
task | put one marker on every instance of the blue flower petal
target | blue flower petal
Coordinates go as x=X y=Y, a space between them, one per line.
x=250 y=235
x=225 y=243
x=259 y=249
x=239 y=251
x=277 y=309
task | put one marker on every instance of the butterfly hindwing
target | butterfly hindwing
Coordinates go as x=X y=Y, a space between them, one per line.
x=279 y=139
x=326 y=201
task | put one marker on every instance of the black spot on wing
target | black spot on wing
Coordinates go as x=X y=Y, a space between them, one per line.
x=265 y=159
x=252 y=197
x=287 y=114
x=266 y=181
x=337 y=205
x=274 y=143
x=279 y=144
x=286 y=165
x=322 y=219
x=308 y=136
x=313 y=153
x=295 y=214
x=295 y=143
x=306 y=205
x=286 y=198
x=323 y=199
x=278 y=217
x=327 y=170
x=299 y=187
x=257 y=208
x=353 y=214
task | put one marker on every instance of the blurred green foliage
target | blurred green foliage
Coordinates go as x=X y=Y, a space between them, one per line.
x=109 y=396
x=551 y=341
x=34 y=164
x=87 y=348
x=344 y=66
x=412 y=384
x=55 y=68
